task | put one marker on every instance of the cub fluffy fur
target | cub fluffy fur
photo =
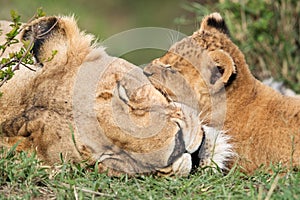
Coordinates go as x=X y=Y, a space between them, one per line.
x=264 y=125
x=87 y=105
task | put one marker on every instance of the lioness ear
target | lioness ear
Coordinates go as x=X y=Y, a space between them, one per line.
x=39 y=31
x=214 y=21
x=223 y=71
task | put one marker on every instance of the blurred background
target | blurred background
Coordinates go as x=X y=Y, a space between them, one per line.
x=266 y=31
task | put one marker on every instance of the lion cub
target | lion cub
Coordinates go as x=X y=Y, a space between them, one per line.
x=208 y=72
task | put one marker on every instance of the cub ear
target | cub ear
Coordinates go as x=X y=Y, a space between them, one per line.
x=214 y=21
x=224 y=70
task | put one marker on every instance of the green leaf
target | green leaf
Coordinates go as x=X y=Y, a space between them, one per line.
x=4 y=60
x=26 y=43
x=2 y=75
x=9 y=72
x=54 y=52
x=15 y=16
x=40 y=12
x=11 y=55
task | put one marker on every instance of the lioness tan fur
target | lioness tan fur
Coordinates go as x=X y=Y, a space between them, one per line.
x=86 y=105
x=264 y=125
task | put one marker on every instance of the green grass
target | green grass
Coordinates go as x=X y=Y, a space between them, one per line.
x=24 y=177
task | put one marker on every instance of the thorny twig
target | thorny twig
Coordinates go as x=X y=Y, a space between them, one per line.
x=17 y=67
x=11 y=39
x=14 y=61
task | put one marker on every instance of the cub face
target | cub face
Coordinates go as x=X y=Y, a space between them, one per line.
x=199 y=67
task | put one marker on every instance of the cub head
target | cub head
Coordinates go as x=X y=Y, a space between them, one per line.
x=57 y=40
x=207 y=61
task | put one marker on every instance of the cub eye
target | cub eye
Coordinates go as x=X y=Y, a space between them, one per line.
x=168 y=66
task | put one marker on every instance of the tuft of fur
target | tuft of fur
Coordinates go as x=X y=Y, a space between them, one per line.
x=219 y=149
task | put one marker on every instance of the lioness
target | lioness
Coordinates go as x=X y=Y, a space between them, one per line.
x=87 y=105
x=263 y=124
